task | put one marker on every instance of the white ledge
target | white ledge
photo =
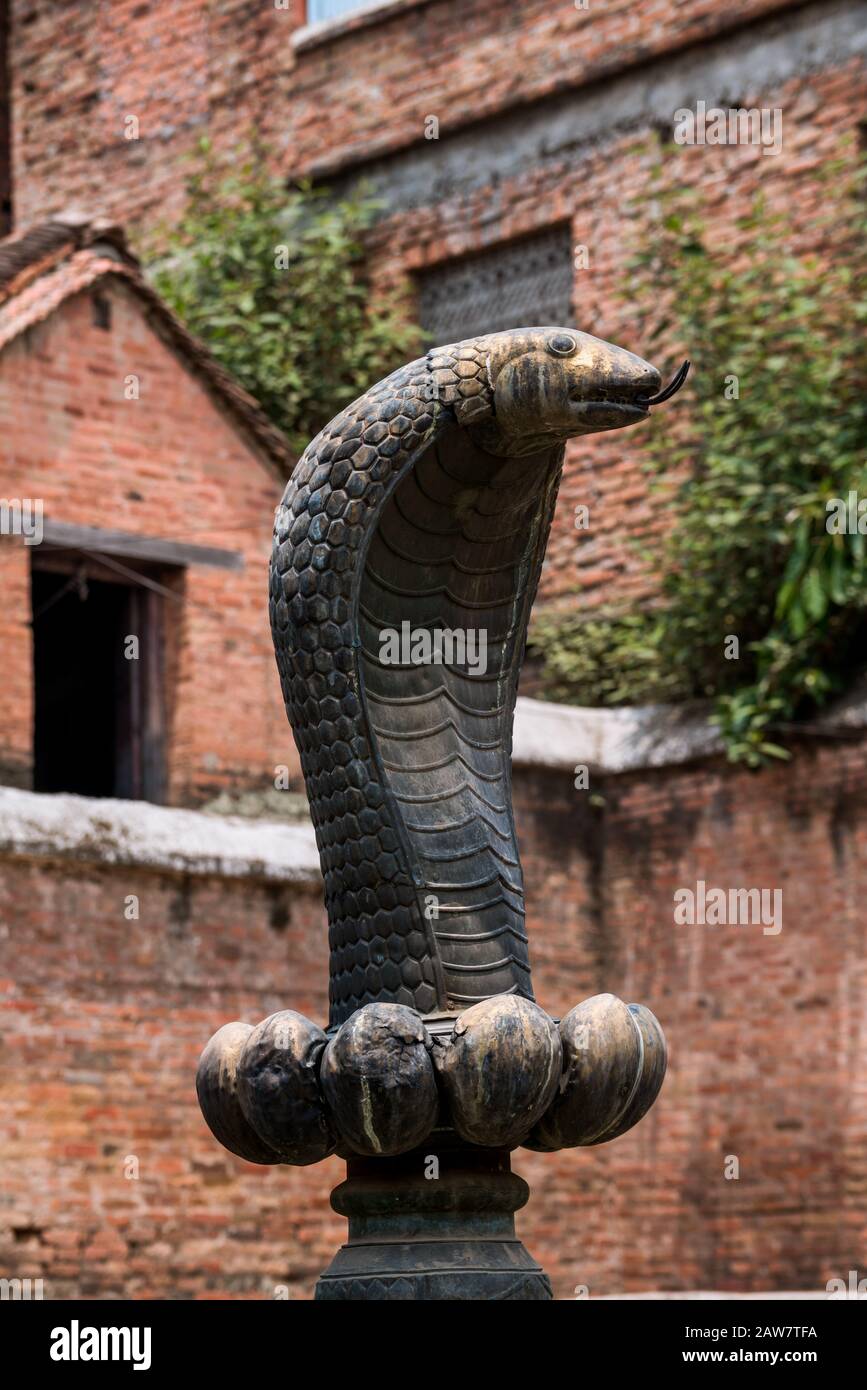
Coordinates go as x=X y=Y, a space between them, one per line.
x=162 y=838
x=166 y=839
x=610 y=740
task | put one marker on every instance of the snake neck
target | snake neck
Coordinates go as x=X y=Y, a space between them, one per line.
x=395 y=515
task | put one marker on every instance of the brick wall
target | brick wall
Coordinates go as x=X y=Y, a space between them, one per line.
x=767 y=1033
x=16 y=687
x=182 y=67
x=168 y=464
x=603 y=193
x=105 y=1019
x=547 y=115
x=179 y=67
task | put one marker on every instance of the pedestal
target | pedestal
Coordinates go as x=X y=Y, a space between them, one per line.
x=436 y=1223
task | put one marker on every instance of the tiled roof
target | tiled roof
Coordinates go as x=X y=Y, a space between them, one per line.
x=46 y=264
x=31 y=253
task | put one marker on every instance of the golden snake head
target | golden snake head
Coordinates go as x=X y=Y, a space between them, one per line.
x=548 y=384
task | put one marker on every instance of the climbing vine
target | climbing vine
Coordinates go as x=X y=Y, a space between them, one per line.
x=272 y=281
x=763 y=467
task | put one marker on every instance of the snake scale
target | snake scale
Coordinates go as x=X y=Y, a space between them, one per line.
x=428 y=501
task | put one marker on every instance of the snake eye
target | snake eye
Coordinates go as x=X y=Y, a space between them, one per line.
x=562 y=344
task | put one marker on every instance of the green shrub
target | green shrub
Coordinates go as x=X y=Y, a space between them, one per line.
x=272 y=281
x=749 y=554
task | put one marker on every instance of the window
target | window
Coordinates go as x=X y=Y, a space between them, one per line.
x=99 y=707
x=318 y=10
x=515 y=285
x=100 y=305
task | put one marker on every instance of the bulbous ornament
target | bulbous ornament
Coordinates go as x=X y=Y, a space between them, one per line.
x=279 y=1091
x=614 y=1059
x=500 y=1070
x=217 y=1089
x=379 y=1082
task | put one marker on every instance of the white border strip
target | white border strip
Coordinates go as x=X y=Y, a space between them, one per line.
x=611 y=740
x=36 y=825
x=644 y=736
x=161 y=838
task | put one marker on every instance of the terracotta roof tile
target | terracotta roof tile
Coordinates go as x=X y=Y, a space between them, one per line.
x=30 y=253
x=47 y=264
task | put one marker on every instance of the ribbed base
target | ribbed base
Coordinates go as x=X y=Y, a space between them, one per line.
x=437 y=1223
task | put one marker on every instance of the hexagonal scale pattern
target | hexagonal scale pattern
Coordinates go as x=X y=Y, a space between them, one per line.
x=382 y=945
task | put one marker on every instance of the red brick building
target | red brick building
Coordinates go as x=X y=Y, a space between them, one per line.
x=522 y=131
x=155 y=476
x=501 y=139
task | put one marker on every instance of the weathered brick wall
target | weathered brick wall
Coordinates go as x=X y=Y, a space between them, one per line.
x=16 y=644
x=767 y=1033
x=605 y=194
x=180 y=68
x=183 y=67
x=168 y=464
x=547 y=115
x=105 y=1019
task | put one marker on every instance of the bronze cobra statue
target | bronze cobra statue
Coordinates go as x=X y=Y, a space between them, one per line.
x=407 y=552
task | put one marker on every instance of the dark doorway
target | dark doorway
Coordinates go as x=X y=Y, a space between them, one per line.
x=98 y=696
x=5 y=123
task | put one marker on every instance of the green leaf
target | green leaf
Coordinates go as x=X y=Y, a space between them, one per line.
x=814 y=596
x=304 y=339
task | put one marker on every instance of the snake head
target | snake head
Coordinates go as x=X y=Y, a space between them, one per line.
x=548 y=384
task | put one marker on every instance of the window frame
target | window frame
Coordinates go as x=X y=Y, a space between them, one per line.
x=140 y=755
x=314 y=33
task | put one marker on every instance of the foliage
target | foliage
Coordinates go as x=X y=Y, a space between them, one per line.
x=750 y=553
x=271 y=280
x=604 y=660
